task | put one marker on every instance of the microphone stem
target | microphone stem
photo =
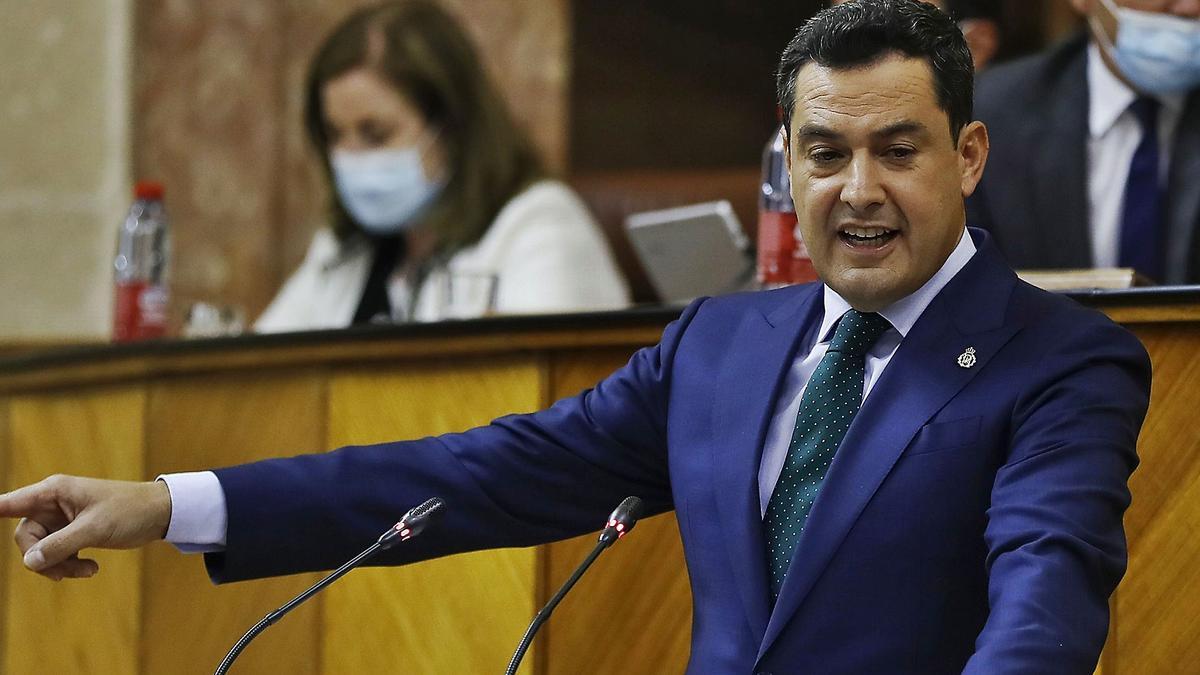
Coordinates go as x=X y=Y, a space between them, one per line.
x=544 y=614
x=333 y=576
x=296 y=601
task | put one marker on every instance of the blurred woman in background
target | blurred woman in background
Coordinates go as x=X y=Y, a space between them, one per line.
x=436 y=191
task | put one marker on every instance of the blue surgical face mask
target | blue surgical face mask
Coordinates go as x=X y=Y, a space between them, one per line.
x=1157 y=53
x=384 y=190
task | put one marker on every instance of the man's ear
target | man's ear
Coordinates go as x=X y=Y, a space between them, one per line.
x=787 y=152
x=972 y=155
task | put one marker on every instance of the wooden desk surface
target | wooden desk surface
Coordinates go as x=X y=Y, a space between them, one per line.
x=24 y=367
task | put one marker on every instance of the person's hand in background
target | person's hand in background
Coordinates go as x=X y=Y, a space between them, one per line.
x=63 y=515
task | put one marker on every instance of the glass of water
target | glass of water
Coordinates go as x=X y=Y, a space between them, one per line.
x=467 y=294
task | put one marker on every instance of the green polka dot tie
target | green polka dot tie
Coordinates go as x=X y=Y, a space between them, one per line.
x=832 y=397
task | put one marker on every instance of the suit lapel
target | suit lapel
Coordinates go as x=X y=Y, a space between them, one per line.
x=747 y=388
x=1183 y=199
x=1058 y=148
x=921 y=378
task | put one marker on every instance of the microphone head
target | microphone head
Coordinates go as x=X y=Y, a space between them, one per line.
x=622 y=519
x=413 y=522
x=419 y=516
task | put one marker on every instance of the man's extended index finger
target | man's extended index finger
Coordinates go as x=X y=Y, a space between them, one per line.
x=21 y=502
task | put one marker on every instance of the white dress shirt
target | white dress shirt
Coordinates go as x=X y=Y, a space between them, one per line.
x=199 y=518
x=1113 y=136
x=902 y=314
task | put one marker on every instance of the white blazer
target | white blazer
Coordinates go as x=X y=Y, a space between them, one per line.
x=546 y=252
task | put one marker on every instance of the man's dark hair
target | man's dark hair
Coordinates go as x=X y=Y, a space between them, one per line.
x=860 y=32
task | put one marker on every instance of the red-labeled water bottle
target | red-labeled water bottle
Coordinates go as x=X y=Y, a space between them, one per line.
x=141 y=266
x=782 y=257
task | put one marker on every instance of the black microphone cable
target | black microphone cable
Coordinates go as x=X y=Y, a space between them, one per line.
x=412 y=524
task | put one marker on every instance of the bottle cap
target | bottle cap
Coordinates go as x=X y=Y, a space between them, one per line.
x=148 y=189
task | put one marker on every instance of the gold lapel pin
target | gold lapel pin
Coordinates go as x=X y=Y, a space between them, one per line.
x=967 y=358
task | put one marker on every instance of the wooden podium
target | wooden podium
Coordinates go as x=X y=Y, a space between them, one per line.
x=135 y=411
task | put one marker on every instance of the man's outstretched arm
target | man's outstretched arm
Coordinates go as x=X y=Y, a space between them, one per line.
x=522 y=480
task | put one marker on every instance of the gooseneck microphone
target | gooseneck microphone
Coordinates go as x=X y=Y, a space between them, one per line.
x=410 y=525
x=619 y=523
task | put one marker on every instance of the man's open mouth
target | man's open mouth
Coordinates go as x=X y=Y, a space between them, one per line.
x=867 y=237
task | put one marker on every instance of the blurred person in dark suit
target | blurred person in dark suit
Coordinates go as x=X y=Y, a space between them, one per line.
x=979 y=21
x=1096 y=145
x=430 y=176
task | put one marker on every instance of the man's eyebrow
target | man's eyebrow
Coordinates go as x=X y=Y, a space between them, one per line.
x=807 y=131
x=813 y=131
x=902 y=127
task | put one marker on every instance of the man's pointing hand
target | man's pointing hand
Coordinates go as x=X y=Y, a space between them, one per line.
x=63 y=515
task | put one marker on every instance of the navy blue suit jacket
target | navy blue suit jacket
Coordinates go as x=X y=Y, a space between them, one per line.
x=970 y=520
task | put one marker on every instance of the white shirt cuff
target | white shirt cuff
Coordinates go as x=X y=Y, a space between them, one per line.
x=198 y=517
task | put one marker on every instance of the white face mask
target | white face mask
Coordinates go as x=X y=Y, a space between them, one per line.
x=1157 y=53
x=383 y=190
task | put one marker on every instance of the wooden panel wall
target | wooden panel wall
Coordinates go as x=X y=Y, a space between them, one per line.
x=71 y=627
x=210 y=422
x=1157 y=630
x=7 y=548
x=613 y=604
x=660 y=85
x=463 y=614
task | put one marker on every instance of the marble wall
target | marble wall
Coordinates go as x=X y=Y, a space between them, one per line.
x=205 y=97
x=64 y=157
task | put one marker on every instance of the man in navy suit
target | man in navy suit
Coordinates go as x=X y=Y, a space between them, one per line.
x=918 y=466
